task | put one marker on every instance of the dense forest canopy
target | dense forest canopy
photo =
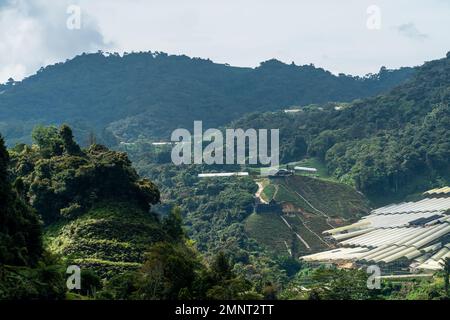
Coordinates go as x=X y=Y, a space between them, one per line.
x=26 y=270
x=98 y=212
x=61 y=180
x=398 y=142
x=97 y=215
x=20 y=235
x=151 y=94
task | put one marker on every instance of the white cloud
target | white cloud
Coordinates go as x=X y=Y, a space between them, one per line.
x=331 y=34
x=34 y=34
x=410 y=30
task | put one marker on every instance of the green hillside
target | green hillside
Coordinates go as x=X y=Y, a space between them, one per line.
x=387 y=146
x=26 y=270
x=97 y=215
x=310 y=206
x=110 y=238
x=148 y=95
x=270 y=230
x=95 y=208
x=336 y=200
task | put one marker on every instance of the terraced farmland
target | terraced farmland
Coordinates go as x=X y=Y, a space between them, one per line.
x=314 y=195
x=310 y=206
x=270 y=230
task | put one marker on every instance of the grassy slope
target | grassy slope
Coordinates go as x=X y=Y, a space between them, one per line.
x=340 y=202
x=335 y=199
x=269 y=230
x=110 y=237
x=268 y=192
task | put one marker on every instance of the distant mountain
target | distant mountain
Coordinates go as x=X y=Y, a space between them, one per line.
x=150 y=94
x=393 y=144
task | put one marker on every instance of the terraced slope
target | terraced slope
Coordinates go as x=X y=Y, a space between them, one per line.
x=109 y=238
x=318 y=196
x=309 y=206
x=270 y=230
x=95 y=208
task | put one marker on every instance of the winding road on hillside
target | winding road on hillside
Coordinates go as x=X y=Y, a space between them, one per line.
x=258 y=196
x=259 y=192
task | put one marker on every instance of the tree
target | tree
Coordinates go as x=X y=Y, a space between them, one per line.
x=90 y=282
x=221 y=267
x=69 y=145
x=446 y=267
x=233 y=289
x=48 y=140
x=20 y=228
x=61 y=180
x=269 y=291
x=337 y=284
x=173 y=224
x=169 y=269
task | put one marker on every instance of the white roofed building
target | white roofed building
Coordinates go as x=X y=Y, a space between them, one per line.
x=415 y=234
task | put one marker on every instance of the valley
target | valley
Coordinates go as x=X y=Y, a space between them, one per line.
x=103 y=193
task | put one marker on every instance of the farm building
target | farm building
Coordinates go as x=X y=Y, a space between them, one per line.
x=281 y=173
x=415 y=234
x=222 y=174
x=439 y=191
x=306 y=169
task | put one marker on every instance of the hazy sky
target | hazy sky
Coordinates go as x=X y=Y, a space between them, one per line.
x=329 y=33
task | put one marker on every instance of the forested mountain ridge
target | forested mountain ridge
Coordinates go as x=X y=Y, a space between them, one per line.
x=150 y=94
x=94 y=206
x=398 y=142
x=97 y=215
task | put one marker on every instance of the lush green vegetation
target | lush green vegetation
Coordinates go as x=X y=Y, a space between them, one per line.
x=329 y=283
x=61 y=181
x=95 y=207
x=127 y=252
x=173 y=235
x=215 y=212
x=25 y=270
x=110 y=238
x=392 y=144
x=148 y=95
x=317 y=196
x=219 y=215
x=97 y=215
x=269 y=230
x=20 y=237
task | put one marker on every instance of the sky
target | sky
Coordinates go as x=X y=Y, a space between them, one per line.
x=346 y=36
